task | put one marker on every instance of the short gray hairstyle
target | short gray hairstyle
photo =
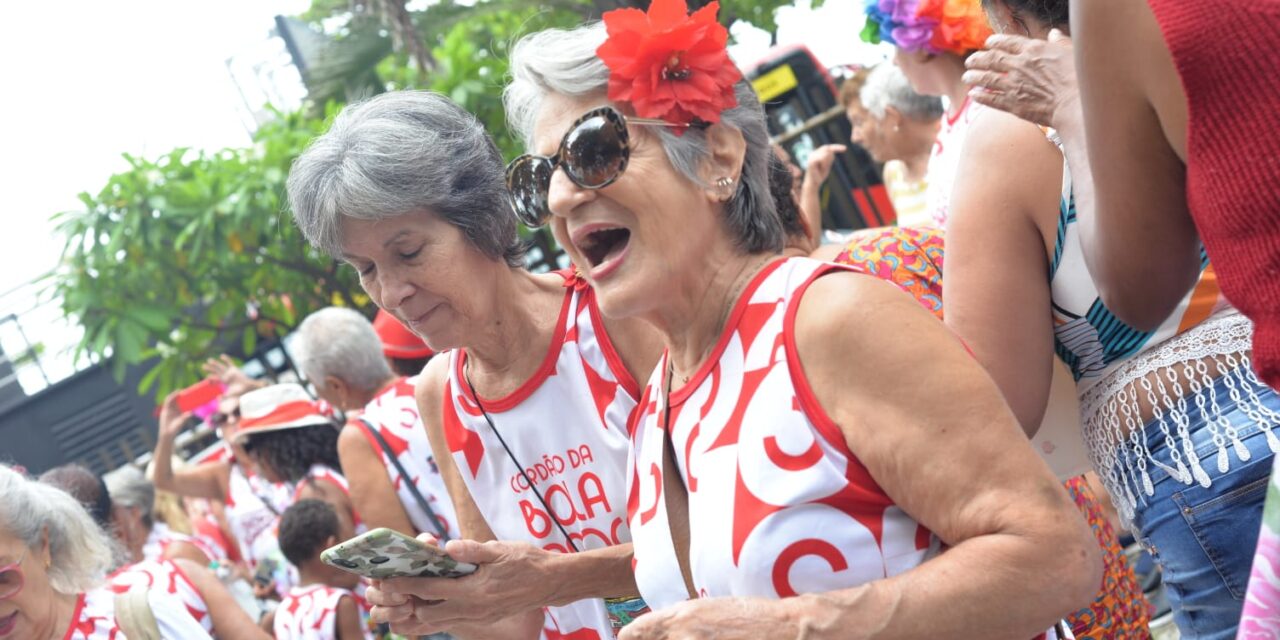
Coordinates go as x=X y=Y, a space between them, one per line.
x=405 y=152
x=887 y=86
x=340 y=342
x=565 y=62
x=129 y=487
x=78 y=547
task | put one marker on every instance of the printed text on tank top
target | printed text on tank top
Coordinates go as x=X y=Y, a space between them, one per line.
x=566 y=426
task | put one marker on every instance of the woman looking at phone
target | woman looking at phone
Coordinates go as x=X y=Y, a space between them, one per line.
x=799 y=406
x=526 y=416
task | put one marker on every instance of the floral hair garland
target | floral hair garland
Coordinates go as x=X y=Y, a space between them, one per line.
x=935 y=26
x=668 y=64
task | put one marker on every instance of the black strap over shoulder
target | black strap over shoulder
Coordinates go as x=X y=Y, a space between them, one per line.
x=441 y=533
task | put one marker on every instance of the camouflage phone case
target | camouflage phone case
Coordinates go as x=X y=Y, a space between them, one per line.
x=383 y=553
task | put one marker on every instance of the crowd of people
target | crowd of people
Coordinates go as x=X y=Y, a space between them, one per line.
x=712 y=424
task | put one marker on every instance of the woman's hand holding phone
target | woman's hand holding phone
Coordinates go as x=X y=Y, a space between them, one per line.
x=511 y=585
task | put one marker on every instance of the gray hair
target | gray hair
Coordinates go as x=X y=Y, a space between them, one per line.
x=405 y=152
x=565 y=62
x=79 y=550
x=887 y=86
x=130 y=487
x=340 y=342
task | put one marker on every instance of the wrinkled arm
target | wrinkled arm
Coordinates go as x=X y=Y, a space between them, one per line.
x=996 y=289
x=371 y=486
x=1139 y=239
x=932 y=430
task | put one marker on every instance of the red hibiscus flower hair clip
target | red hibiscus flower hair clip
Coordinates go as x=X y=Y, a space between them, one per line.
x=668 y=64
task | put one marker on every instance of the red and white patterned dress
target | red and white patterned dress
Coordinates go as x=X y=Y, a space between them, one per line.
x=311 y=613
x=567 y=427
x=167 y=577
x=394 y=413
x=778 y=505
x=95 y=617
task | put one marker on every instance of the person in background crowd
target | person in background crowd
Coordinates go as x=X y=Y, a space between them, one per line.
x=809 y=182
x=1175 y=422
x=133 y=498
x=933 y=38
x=407 y=188
x=898 y=131
x=251 y=503
x=340 y=353
x=405 y=351
x=53 y=559
x=740 y=458
x=323 y=605
x=898 y=126
x=85 y=486
x=169 y=561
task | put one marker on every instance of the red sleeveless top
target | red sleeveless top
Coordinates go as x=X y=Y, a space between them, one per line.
x=1226 y=55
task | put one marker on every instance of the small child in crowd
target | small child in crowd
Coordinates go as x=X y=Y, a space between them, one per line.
x=323 y=605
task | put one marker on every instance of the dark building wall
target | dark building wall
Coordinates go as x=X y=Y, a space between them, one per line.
x=87 y=418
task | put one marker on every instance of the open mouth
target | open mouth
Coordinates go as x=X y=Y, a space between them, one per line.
x=7 y=623
x=603 y=244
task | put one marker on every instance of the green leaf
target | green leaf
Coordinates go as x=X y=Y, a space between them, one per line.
x=250 y=340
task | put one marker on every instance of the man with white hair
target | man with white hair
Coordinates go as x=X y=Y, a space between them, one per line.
x=384 y=449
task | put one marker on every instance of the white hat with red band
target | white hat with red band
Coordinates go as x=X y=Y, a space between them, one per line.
x=278 y=407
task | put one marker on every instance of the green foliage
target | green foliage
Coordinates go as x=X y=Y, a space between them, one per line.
x=191 y=254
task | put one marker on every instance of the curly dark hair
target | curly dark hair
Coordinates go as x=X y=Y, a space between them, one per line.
x=305 y=527
x=291 y=452
x=781 y=183
x=1052 y=13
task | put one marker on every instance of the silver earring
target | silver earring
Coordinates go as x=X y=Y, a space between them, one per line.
x=724 y=182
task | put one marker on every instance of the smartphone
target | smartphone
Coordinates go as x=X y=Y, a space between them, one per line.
x=199 y=394
x=384 y=553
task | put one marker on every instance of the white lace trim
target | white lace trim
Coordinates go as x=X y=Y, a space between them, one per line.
x=1109 y=409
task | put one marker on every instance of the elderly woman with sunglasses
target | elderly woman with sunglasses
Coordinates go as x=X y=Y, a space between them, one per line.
x=527 y=414
x=53 y=559
x=812 y=438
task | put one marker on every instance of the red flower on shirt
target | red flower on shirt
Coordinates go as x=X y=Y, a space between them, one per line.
x=668 y=64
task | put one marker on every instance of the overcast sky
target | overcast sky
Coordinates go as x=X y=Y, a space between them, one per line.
x=89 y=79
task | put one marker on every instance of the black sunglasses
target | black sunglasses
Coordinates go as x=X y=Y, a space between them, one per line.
x=220 y=419
x=593 y=154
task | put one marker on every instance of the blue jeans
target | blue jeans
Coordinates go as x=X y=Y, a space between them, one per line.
x=1204 y=538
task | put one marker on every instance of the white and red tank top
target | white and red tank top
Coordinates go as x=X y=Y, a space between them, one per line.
x=567 y=427
x=162 y=536
x=311 y=613
x=166 y=577
x=252 y=506
x=944 y=160
x=778 y=505
x=394 y=414
x=94 y=617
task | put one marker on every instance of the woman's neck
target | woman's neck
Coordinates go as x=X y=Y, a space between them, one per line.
x=693 y=320
x=61 y=608
x=956 y=91
x=917 y=166
x=513 y=332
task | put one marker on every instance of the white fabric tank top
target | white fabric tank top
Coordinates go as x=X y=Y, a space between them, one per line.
x=567 y=427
